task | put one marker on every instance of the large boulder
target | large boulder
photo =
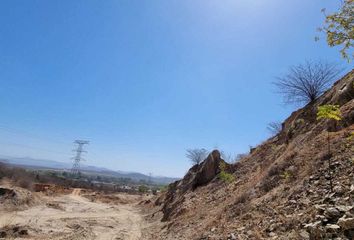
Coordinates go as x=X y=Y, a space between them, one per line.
x=208 y=169
x=199 y=175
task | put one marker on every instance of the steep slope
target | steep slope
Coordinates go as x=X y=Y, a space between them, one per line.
x=281 y=189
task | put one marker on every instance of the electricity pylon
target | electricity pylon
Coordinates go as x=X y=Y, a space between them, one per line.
x=78 y=156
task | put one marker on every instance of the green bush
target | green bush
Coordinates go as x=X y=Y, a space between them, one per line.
x=143 y=189
x=164 y=188
x=225 y=176
x=286 y=175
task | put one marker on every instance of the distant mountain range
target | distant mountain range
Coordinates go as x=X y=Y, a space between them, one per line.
x=27 y=162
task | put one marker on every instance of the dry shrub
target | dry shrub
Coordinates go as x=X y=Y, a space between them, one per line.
x=25 y=183
x=275 y=170
x=13 y=232
x=19 y=176
x=240 y=206
x=4 y=171
x=283 y=170
x=269 y=183
x=279 y=168
x=272 y=178
x=257 y=234
x=55 y=205
x=238 y=210
x=243 y=198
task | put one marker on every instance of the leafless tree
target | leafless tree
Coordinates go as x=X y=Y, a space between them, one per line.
x=196 y=155
x=274 y=127
x=227 y=157
x=232 y=159
x=304 y=83
x=240 y=156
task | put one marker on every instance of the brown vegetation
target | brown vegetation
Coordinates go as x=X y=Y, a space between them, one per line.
x=281 y=189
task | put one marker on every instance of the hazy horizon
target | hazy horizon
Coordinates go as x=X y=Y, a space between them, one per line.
x=145 y=80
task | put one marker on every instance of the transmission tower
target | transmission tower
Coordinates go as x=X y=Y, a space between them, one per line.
x=78 y=156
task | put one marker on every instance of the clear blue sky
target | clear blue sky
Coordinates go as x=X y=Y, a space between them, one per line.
x=145 y=80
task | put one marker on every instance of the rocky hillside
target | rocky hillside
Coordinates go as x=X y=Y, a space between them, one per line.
x=281 y=190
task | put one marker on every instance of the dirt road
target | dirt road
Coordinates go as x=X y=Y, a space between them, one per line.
x=75 y=217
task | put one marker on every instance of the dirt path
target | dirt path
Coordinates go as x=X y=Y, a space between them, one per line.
x=74 y=217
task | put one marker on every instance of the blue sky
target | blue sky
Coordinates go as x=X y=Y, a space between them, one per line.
x=145 y=80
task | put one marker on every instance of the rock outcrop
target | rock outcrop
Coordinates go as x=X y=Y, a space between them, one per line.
x=199 y=175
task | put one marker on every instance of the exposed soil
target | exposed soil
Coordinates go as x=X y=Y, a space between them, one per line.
x=72 y=216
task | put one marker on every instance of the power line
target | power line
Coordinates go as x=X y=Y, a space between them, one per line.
x=31 y=147
x=22 y=134
x=78 y=157
x=28 y=134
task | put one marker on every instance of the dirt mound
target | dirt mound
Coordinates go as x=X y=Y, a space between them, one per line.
x=6 y=193
x=73 y=217
x=51 y=189
x=16 y=198
x=118 y=198
x=281 y=189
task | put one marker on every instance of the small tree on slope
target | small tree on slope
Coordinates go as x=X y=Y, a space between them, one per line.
x=339 y=28
x=274 y=128
x=331 y=113
x=304 y=83
x=196 y=155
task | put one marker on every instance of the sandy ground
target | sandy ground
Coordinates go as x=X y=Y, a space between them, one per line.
x=75 y=217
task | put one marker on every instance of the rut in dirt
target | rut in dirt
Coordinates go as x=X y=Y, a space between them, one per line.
x=75 y=217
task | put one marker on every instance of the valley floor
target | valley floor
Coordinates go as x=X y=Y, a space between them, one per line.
x=72 y=216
